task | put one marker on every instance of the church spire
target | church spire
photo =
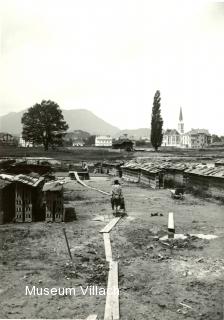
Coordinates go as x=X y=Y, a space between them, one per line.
x=181 y=122
x=181 y=115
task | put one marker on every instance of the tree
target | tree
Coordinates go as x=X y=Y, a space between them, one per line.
x=44 y=124
x=156 y=123
x=216 y=138
x=90 y=141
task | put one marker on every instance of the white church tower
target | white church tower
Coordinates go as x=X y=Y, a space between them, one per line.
x=181 y=122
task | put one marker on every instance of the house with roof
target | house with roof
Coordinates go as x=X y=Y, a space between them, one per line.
x=171 y=138
x=103 y=141
x=6 y=139
x=196 y=139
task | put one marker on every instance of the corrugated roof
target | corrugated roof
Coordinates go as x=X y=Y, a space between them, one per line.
x=203 y=170
x=190 y=168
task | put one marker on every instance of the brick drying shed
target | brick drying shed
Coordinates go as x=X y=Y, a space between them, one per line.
x=7 y=206
x=28 y=198
x=53 y=195
x=209 y=181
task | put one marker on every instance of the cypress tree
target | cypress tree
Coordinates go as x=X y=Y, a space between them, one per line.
x=156 y=123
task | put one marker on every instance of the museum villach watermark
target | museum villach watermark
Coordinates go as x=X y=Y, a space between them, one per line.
x=73 y=291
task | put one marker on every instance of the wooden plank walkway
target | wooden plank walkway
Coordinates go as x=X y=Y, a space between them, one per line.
x=107 y=246
x=110 y=225
x=112 y=299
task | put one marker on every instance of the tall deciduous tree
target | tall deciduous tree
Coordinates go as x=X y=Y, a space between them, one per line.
x=44 y=124
x=156 y=123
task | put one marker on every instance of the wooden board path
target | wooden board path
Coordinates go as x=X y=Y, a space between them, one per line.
x=112 y=299
x=110 y=225
x=107 y=246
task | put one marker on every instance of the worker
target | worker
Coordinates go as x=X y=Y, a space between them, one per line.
x=117 y=195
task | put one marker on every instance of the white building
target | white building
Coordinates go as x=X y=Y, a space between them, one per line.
x=196 y=138
x=25 y=144
x=171 y=138
x=103 y=141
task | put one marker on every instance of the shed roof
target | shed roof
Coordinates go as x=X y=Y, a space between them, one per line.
x=4 y=183
x=25 y=179
x=52 y=186
x=203 y=170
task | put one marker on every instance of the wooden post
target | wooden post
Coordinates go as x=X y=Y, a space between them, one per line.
x=171 y=228
x=69 y=252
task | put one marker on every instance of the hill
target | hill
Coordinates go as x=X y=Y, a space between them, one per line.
x=77 y=119
x=135 y=133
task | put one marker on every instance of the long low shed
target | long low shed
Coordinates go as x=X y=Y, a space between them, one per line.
x=210 y=181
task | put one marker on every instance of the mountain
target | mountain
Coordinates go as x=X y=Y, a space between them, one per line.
x=82 y=119
x=134 y=133
x=77 y=119
x=77 y=135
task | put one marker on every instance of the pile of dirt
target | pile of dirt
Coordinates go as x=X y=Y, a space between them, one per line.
x=190 y=243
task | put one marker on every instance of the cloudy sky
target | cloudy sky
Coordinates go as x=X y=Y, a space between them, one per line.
x=110 y=56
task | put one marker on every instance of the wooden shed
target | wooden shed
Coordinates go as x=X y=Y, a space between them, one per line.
x=53 y=196
x=151 y=176
x=28 y=198
x=131 y=171
x=173 y=174
x=7 y=205
x=206 y=181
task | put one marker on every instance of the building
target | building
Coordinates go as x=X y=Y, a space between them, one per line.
x=28 y=198
x=25 y=144
x=196 y=139
x=103 y=141
x=78 y=143
x=53 y=195
x=124 y=144
x=171 y=138
x=7 y=206
x=6 y=139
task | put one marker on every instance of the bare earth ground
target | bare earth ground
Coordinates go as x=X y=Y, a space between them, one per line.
x=154 y=279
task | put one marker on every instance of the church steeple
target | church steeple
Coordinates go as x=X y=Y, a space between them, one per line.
x=181 y=122
x=181 y=115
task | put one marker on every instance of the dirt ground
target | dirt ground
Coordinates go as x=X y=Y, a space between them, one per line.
x=156 y=280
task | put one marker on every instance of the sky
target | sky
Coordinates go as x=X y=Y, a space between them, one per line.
x=110 y=57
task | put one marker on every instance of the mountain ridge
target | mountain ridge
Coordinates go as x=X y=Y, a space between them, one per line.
x=77 y=119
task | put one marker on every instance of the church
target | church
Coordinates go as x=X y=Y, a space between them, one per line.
x=195 y=138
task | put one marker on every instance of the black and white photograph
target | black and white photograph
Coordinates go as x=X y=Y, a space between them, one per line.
x=112 y=159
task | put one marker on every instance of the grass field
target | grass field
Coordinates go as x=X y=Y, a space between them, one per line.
x=75 y=154
x=99 y=154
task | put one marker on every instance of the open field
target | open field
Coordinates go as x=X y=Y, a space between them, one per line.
x=99 y=154
x=71 y=154
x=155 y=281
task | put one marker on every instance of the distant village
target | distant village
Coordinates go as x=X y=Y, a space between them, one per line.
x=172 y=138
